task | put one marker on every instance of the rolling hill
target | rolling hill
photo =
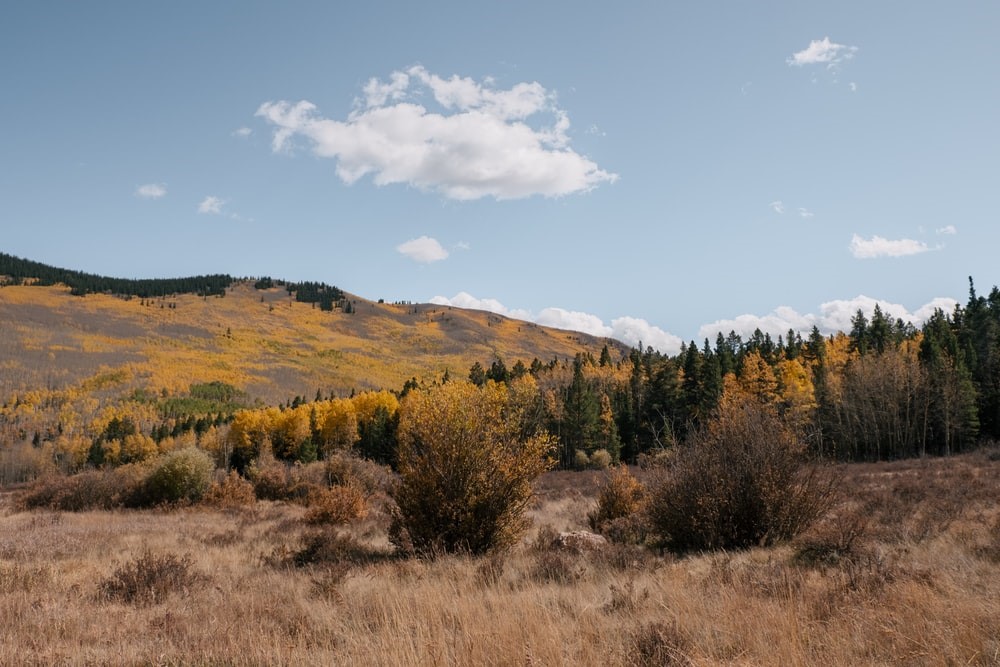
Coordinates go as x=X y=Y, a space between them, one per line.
x=262 y=341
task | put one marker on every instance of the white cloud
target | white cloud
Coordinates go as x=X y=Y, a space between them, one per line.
x=833 y=316
x=950 y=230
x=462 y=245
x=211 y=205
x=242 y=132
x=629 y=330
x=805 y=213
x=881 y=247
x=822 y=51
x=777 y=206
x=477 y=144
x=853 y=86
x=423 y=249
x=151 y=191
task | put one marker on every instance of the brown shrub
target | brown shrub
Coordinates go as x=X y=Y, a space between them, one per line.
x=230 y=492
x=344 y=469
x=149 y=579
x=93 y=489
x=335 y=505
x=836 y=538
x=326 y=547
x=621 y=496
x=737 y=483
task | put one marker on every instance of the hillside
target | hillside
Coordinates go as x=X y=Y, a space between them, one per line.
x=262 y=341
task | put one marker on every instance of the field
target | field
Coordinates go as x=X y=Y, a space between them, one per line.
x=904 y=570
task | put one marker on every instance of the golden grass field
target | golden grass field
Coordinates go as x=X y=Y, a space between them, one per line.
x=904 y=570
x=261 y=341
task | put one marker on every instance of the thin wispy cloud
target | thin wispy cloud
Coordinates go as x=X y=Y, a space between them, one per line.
x=462 y=245
x=475 y=142
x=629 y=330
x=948 y=230
x=822 y=52
x=423 y=249
x=242 y=132
x=878 y=246
x=805 y=213
x=777 y=206
x=211 y=205
x=151 y=191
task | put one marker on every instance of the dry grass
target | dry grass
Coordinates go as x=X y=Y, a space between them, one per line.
x=915 y=580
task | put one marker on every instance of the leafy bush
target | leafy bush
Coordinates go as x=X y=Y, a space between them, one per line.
x=737 y=483
x=180 y=476
x=467 y=457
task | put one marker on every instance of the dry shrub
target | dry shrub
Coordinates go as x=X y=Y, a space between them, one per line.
x=335 y=505
x=149 y=579
x=93 y=489
x=274 y=480
x=657 y=644
x=580 y=460
x=344 y=469
x=231 y=492
x=834 y=539
x=620 y=497
x=329 y=547
x=738 y=482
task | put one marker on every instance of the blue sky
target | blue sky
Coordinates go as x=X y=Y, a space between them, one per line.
x=653 y=171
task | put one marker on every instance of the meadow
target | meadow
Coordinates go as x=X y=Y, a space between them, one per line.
x=904 y=569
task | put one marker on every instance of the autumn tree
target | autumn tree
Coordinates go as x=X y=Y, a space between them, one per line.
x=465 y=470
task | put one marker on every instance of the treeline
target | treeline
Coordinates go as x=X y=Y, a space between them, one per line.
x=883 y=390
x=22 y=271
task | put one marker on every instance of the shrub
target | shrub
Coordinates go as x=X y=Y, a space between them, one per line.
x=600 y=459
x=580 y=460
x=149 y=579
x=230 y=492
x=737 y=483
x=621 y=496
x=336 y=505
x=466 y=463
x=180 y=476
x=93 y=489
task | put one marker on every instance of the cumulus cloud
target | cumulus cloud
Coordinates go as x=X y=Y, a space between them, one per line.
x=629 y=330
x=877 y=246
x=211 y=205
x=424 y=249
x=477 y=142
x=151 y=191
x=777 y=206
x=822 y=52
x=833 y=316
x=950 y=230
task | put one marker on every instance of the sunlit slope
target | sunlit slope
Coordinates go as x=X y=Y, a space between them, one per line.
x=260 y=340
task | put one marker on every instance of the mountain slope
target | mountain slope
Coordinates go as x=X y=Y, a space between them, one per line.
x=261 y=341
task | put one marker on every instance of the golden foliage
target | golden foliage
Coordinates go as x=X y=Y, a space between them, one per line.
x=465 y=471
